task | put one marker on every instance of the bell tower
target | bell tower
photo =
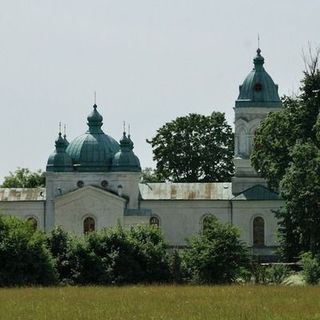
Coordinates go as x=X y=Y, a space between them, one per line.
x=258 y=95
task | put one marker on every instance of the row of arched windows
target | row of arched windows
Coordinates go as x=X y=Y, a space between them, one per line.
x=258 y=227
x=89 y=224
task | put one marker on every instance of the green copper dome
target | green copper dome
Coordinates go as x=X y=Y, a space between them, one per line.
x=258 y=89
x=94 y=150
x=60 y=161
x=125 y=160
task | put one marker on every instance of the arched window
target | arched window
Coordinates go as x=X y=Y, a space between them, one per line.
x=242 y=143
x=33 y=222
x=154 y=221
x=258 y=231
x=89 y=225
x=206 y=221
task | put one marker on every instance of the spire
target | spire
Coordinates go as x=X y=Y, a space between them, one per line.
x=59 y=143
x=65 y=134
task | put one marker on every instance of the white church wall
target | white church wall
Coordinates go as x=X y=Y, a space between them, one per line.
x=182 y=219
x=129 y=182
x=24 y=210
x=60 y=183
x=105 y=208
x=244 y=213
x=129 y=221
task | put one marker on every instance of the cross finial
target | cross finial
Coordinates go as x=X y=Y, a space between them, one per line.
x=124 y=127
x=64 y=130
x=60 y=127
x=129 y=129
x=95 y=97
x=258 y=40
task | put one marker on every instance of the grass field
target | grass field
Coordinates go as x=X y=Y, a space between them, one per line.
x=161 y=302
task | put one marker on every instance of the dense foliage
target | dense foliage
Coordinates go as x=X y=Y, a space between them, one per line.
x=194 y=148
x=310 y=268
x=286 y=153
x=24 y=257
x=24 y=178
x=150 y=175
x=216 y=255
x=116 y=256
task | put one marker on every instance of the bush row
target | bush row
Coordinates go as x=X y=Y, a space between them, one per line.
x=116 y=256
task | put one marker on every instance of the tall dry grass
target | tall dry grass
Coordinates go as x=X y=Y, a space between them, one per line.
x=161 y=302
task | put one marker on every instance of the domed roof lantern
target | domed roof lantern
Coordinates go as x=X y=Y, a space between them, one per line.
x=95 y=121
x=258 y=60
x=59 y=160
x=258 y=89
x=125 y=160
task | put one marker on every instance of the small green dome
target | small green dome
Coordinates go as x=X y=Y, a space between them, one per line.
x=125 y=160
x=59 y=160
x=94 y=150
x=258 y=89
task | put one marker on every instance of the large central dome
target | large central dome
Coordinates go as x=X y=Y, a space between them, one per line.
x=94 y=150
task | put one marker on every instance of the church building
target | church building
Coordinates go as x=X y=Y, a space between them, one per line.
x=93 y=182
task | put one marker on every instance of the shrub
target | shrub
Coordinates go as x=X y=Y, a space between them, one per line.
x=277 y=273
x=117 y=256
x=150 y=253
x=216 y=254
x=24 y=256
x=62 y=247
x=176 y=269
x=310 y=268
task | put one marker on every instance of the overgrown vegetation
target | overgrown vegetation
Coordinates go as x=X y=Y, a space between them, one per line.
x=311 y=268
x=286 y=152
x=216 y=255
x=116 y=256
x=24 y=256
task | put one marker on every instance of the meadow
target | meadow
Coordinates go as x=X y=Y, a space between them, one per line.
x=161 y=302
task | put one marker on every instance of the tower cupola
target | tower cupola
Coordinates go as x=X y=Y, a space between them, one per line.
x=125 y=160
x=59 y=160
x=258 y=88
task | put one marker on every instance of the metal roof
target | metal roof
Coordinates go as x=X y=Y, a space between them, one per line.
x=22 y=194
x=257 y=192
x=186 y=191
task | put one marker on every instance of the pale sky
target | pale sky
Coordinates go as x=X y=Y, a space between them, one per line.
x=148 y=60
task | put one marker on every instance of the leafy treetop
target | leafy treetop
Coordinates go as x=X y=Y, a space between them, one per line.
x=24 y=178
x=194 y=148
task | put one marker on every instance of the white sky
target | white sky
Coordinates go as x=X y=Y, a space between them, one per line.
x=149 y=61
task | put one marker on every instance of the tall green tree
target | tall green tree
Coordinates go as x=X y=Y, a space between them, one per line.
x=24 y=178
x=286 y=153
x=194 y=148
